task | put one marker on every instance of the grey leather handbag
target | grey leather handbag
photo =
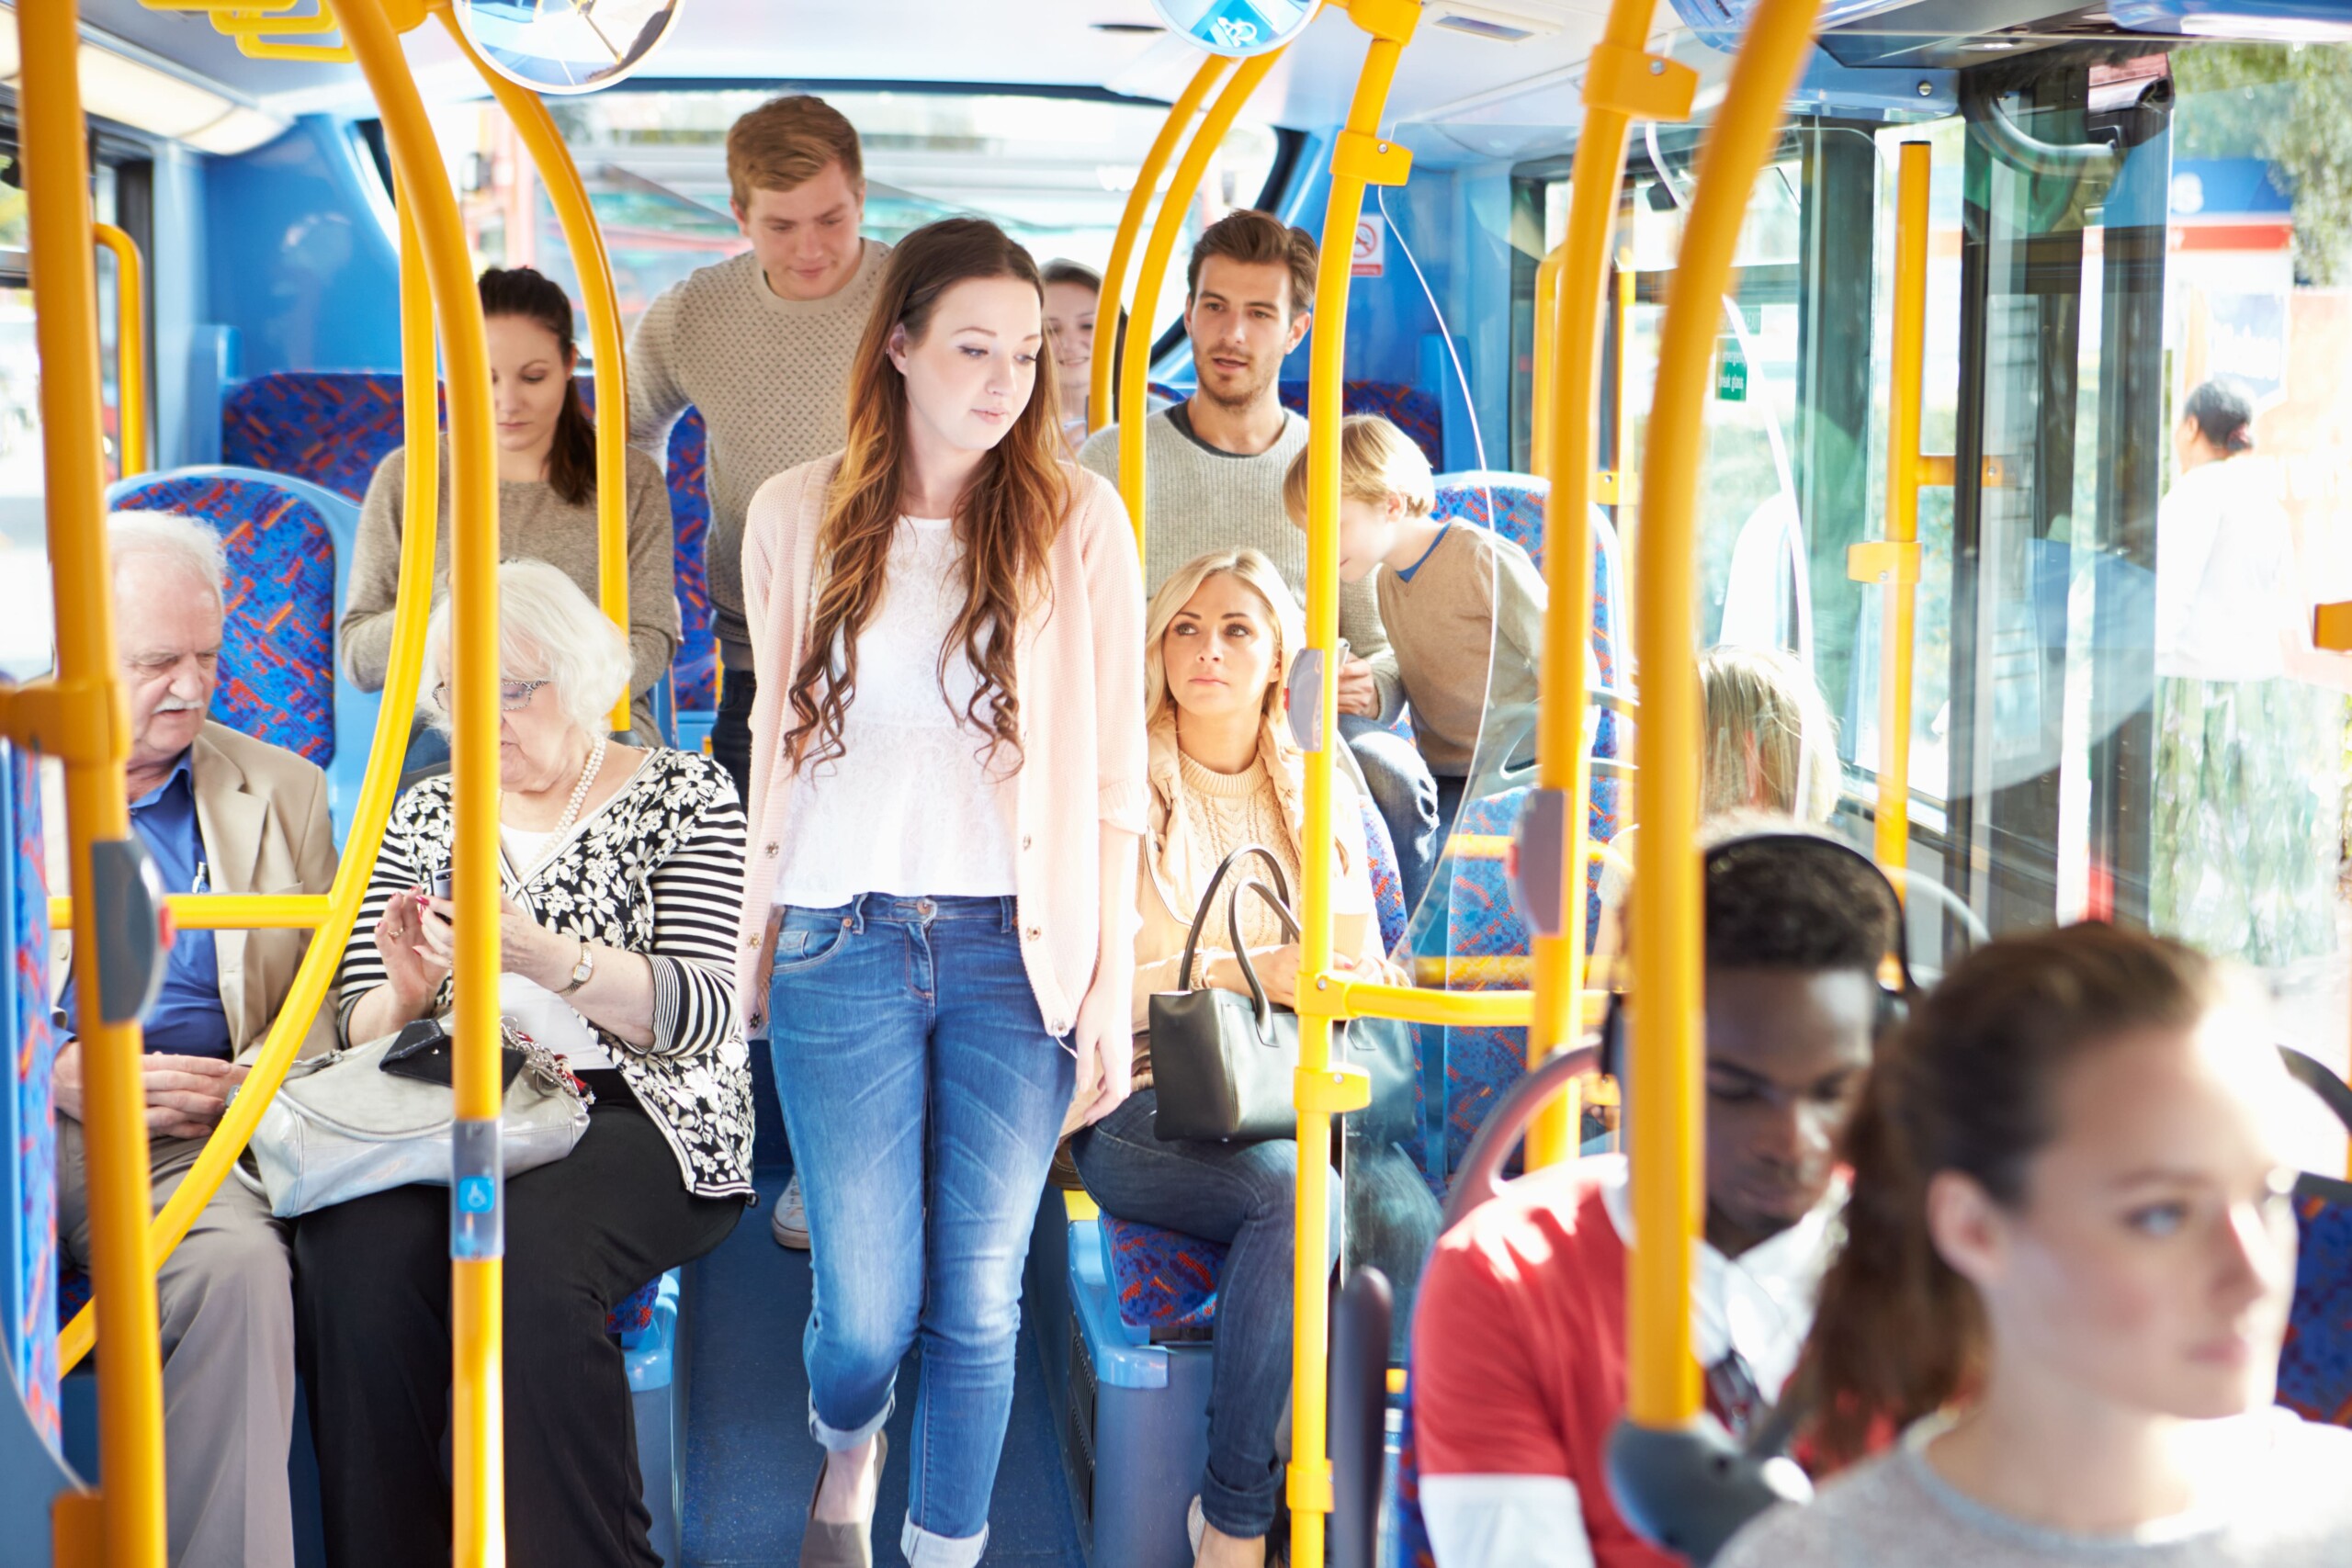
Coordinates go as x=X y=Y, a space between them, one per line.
x=341 y=1127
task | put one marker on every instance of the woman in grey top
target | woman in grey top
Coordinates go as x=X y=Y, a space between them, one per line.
x=2069 y=1261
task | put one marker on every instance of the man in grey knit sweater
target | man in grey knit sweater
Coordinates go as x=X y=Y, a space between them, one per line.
x=761 y=343
x=764 y=345
x=1213 y=480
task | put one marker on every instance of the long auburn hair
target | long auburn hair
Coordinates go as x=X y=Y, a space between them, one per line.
x=1970 y=1086
x=1006 y=519
x=532 y=295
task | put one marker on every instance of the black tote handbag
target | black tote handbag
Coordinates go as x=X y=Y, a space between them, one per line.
x=1221 y=1064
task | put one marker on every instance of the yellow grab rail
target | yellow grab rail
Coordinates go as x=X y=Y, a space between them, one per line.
x=1892 y=562
x=1134 y=351
x=586 y=239
x=1662 y=1376
x=1538 y=383
x=335 y=912
x=1359 y=157
x=130 y=349
x=476 y=1280
x=80 y=717
x=1103 y=369
x=1622 y=84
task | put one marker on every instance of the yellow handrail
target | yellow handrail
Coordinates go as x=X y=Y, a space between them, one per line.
x=1621 y=84
x=1359 y=157
x=1103 y=369
x=1894 y=562
x=1662 y=1377
x=1539 y=384
x=1134 y=355
x=81 y=718
x=476 y=1280
x=130 y=348
x=335 y=912
x=586 y=239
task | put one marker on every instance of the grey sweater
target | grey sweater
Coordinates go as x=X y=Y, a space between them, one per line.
x=2290 y=1508
x=1198 y=500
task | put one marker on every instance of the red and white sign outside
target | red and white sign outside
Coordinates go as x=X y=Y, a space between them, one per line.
x=1371 y=247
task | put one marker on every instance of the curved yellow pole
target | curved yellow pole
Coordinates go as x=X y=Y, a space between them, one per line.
x=1621 y=84
x=1359 y=157
x=80 y=717
x=1540 y=398
x=1134 y=357
x=1662 y=1376
x=130 y=347
x=1103 y=366
x=333 y=914
x=476 y=1244
x=1894 y=562
x=585 y=238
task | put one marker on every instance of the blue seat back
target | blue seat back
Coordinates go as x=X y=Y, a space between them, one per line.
x=1412 y=411
x=28 y=1267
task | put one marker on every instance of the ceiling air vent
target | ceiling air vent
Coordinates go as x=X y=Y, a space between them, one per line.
x=1505 y=21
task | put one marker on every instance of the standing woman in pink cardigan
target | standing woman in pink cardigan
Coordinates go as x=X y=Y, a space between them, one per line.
x=947 y=786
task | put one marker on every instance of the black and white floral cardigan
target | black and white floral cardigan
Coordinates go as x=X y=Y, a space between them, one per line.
x=657 y=870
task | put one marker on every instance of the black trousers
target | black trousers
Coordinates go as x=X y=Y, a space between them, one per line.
x=372 y=1319
x=730 y=730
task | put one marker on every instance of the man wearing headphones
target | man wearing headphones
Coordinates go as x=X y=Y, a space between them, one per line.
x=1518 y=1343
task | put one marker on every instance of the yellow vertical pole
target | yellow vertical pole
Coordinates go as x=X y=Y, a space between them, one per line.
x=1540 y=400
x=1622 y=83
x=1894 y=562
x=1135 y=355
x=1359 y=158
x=1662 y=1375
x=130 y=347
x=81 y=718
x=477 y=1198
x=584 y=237
x=1105 y=365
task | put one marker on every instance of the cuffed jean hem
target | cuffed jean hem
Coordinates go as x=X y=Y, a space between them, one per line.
x=1244 y=1515
x=836 y=1441
x=924 y=1550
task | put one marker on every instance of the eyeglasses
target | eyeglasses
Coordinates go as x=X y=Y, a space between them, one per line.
x=512 y=695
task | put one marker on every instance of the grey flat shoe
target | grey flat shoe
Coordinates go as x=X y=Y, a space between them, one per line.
x=826 y=1545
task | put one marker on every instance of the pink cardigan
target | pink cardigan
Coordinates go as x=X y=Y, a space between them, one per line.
x=1079 y=668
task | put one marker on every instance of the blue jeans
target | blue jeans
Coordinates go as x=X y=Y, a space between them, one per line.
x=923 y=1094
x=1405 y=795
x=1244 y=1195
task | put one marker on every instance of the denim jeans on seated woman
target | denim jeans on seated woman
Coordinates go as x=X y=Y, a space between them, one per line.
x=923 y=1095
x=1244 y=1196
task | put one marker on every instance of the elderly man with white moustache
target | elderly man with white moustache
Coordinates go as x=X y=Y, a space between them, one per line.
x=217 y=812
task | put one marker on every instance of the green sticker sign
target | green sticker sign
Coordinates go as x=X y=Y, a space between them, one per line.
x=1731 y=374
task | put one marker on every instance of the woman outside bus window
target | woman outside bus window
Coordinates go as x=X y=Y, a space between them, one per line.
x=1224 y=772
x=2069 y=1255
x=619 y=868
x=2248 y=816
x=947 y=780
x=546 y=499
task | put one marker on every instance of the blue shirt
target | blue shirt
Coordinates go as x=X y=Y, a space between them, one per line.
x=188 y=1019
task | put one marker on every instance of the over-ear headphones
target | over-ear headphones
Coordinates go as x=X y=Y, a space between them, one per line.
x=1893 y=1002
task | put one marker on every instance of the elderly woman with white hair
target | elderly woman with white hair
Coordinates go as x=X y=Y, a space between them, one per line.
x=621 y=871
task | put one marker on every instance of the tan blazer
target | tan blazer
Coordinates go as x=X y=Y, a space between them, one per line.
x=262 y=812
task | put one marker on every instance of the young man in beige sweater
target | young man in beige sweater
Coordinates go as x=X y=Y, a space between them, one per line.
x=1213 y=480
x=763 y=344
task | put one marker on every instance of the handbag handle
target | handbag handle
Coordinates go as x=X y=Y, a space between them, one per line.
x=1208 y=897
x=1259 y=1003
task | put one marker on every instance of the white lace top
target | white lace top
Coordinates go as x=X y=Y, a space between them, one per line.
x=915 y=806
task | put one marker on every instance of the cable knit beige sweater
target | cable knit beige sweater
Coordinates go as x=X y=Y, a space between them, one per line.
x=770 y=377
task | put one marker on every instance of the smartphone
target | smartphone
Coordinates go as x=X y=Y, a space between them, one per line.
x=441 y=884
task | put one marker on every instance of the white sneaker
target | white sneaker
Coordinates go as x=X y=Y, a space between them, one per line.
x=789 y=1225
x=1195 y=1523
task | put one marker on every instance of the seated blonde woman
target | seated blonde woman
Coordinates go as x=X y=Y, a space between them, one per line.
x=1770 y=746
x=1224 y=772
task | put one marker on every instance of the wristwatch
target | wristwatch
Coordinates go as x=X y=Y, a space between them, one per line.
x=582 y=971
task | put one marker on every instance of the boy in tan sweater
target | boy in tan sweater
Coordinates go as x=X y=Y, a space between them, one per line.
x=1463 y=606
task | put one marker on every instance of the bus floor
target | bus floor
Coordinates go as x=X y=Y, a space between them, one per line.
x=751 y=1465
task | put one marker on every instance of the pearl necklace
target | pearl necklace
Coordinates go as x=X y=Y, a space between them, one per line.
x=580 y=791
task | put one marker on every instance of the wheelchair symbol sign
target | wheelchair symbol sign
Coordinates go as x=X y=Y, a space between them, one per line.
x=477 y=1195
x=1236 y=27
